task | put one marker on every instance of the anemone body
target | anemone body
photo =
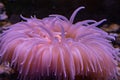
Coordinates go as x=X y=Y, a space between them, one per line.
x=54 y=47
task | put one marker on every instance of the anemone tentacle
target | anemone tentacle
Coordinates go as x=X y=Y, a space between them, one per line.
x=54 y=47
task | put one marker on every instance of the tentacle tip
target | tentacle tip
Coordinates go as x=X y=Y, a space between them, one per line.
x=21 y=15
x=75 y=12
x=24 y=18
x=34 y=16
x=104 y=19
x=82 y=7
x=79 y=8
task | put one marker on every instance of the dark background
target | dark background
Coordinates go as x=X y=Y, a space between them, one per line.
x=95 y=9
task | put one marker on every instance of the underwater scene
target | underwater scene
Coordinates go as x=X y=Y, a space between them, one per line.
x=59 y=40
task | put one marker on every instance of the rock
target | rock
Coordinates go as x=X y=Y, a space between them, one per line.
x=5 y=71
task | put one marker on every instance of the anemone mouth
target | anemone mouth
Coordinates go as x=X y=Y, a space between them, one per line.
x=55 y=47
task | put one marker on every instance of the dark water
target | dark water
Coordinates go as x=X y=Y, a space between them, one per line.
x=95 y=9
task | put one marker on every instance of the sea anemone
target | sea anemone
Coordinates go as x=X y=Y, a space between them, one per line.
x=55 y=48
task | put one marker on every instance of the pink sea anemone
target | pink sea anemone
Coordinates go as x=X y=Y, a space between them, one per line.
x=54 y=47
